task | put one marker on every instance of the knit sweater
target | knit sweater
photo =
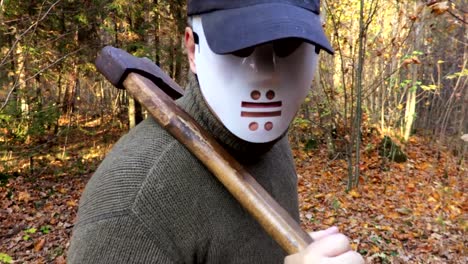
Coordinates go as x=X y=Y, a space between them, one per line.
x=152 y=201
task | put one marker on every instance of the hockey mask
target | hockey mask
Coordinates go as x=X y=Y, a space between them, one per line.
x=255 y=92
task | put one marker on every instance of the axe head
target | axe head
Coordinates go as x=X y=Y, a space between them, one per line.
x=116 y=64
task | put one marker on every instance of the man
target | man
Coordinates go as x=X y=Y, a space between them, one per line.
x=151 y=201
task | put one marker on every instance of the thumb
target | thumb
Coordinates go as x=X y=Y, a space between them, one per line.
x=324 y=233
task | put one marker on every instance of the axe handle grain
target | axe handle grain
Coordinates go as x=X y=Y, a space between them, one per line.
x=271 y=216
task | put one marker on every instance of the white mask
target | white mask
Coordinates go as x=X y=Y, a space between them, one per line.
x=255 y=97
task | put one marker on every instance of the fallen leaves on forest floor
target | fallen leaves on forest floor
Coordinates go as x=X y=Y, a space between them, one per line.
x=413 y=212
x=38 y=204
x=37 y=217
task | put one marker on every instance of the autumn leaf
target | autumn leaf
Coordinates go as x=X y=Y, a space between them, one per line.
x=416 y=60
x=375 y=248
x=354 y=194
x=404 y=211
x=71 y=203
x=62 y=190
x=413 y=17
x=408 y=61
x=440 y=7
x=330 y=221
x=320 y=195
x=39 y=245
x=24 y=196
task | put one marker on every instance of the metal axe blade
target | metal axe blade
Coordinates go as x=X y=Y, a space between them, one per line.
x=116 y=64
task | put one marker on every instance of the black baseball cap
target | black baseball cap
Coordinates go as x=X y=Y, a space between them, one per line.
x=232 y=25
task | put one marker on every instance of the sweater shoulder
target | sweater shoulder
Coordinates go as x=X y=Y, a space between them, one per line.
x=115 y=184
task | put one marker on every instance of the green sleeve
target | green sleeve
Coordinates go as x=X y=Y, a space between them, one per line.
x=117 y=239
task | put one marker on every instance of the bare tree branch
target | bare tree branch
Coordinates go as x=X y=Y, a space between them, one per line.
x=36 y=74
x=34 y=25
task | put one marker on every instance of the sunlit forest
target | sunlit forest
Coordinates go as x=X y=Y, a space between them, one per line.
x=381 y=142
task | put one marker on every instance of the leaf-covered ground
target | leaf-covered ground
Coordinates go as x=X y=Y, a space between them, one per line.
x=414 y=212
x=38 y=203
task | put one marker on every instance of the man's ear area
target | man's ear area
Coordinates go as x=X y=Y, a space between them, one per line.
x=190 y=48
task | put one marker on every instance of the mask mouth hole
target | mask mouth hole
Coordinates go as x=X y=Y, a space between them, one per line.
x=262 y=105
x=260 y=114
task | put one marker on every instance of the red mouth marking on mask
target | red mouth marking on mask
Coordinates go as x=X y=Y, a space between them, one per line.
x=260 y=114
x=262 y=105
x=253 y=105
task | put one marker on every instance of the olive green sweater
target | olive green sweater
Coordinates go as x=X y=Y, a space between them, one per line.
x=151 y=201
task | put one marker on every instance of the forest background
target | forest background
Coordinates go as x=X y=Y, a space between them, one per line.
x=380 y=142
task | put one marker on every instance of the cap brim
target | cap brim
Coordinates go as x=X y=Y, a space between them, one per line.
x=233 y=29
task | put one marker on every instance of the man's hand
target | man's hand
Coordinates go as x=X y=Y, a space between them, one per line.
x=329 y=247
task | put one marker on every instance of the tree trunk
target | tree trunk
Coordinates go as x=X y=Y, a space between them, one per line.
x=157 y=27
x=131 y=113
x=354 y=180
x=20 y=82
x=410 y=111
x=410 y=107
x=135 y=115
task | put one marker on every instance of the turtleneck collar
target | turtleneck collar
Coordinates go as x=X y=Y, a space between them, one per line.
x=194 y=104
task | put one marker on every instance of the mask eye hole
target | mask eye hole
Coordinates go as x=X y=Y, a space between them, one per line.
x=244 y=53
x=196 y=39
x=285 y=47
x=282 y=48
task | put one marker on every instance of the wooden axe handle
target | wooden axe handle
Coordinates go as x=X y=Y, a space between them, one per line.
x=250 y=194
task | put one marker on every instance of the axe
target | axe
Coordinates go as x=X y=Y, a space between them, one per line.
x=155 y=90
